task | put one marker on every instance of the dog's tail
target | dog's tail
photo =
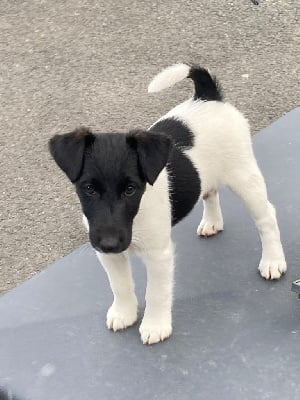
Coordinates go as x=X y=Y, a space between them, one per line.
x=207 y=86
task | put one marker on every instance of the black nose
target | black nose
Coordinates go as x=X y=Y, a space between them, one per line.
x=109 y=244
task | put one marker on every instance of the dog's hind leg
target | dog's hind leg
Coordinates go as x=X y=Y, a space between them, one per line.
x=250 y=186
x=123 y=311
x=212 y=220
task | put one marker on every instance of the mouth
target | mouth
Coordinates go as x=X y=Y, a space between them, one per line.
x=110 y=244
x=116 y=250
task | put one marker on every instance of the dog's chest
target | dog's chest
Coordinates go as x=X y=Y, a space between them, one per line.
x=184 y=181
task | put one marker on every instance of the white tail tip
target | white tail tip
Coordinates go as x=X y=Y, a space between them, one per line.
x=168 y=77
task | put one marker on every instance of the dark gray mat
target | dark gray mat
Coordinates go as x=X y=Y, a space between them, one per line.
x=235 y=337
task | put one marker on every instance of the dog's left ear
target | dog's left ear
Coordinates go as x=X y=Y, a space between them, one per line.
x=153 y=151
x=68 y=151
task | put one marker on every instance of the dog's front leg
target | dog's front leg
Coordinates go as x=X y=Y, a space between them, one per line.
x=123 y=311
x=157 y=322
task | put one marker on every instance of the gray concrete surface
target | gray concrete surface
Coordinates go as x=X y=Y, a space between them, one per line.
x=89 y=62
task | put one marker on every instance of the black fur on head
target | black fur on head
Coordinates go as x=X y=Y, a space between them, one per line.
x=110 y=172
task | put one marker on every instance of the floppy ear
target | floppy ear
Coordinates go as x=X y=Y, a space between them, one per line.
x=68 y=151
x=153 y=151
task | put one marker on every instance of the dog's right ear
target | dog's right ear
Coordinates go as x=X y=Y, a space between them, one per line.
x=68 y=151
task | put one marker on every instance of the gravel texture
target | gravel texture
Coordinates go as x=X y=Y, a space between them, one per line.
x=88 y=62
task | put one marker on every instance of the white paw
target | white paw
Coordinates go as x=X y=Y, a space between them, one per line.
x=270 y=269
x=121 y=316
x=155 y=332
x=209 y=228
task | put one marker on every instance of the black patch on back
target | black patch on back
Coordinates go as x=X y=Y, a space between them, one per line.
x=185 y=185
x=207 y=86
x=182 y=136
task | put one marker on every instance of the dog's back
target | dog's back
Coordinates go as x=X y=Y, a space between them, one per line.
x=210 y=132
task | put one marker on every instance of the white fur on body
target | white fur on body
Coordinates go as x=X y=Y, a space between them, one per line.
x=222 y=154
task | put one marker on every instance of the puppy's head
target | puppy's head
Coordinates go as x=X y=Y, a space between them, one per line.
x=110 y=172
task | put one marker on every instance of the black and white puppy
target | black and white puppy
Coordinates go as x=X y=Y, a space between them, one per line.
x=133 y=187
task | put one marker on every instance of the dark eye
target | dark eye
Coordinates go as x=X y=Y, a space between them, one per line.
x=90 y=189
x=130 y=190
